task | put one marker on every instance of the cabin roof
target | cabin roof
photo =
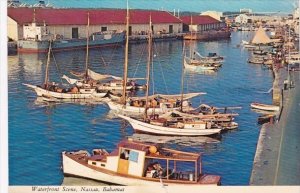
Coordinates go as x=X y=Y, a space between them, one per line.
x=163 y=153
x=50 y=16
x=198 y=20
x=134 y=145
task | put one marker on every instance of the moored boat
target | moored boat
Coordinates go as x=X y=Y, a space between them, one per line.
x=53 y=90
x=136 y=163
x=96 y=40
x=264 y=107
x=162 y=126
x=159 y=103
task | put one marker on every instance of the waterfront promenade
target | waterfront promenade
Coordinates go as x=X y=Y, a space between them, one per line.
x=278 y=151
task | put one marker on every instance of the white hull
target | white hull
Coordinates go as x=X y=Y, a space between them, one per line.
x=71 y=167
x=136 y=110
x=155 y=129
x=103 y=87
x=197 y=67
x=265 y=107
x=46 y=93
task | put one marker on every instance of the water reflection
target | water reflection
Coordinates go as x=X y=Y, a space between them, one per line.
x=179 y=140
x=204 y=72
x=43 y=101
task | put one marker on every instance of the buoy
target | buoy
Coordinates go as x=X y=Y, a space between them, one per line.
x=152 y=149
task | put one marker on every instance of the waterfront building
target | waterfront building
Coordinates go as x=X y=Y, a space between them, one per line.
x=71 y=23
x=246 y=10
x=199 y=23
x=242 y=19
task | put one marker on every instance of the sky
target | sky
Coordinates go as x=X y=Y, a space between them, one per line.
x=284 y=6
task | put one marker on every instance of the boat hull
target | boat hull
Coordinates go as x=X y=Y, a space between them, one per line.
x=50 y=94
x=265 y=107
x=136 y=110
x=31 y=46
x=160 y=130
x=207 y=35
x=198 y=67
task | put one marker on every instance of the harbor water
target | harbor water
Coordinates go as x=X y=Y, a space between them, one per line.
x=39 y=131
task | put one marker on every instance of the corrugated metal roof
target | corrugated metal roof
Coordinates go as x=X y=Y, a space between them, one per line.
x=97 y=16
x=198 y=20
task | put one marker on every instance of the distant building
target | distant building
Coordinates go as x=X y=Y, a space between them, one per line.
x=198 y=23
x=245 y=10
x=214 y=14
x=242 y=19
x=71 y=23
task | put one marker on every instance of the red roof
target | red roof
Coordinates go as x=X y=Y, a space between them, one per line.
x=97 y=16
x=199 y=20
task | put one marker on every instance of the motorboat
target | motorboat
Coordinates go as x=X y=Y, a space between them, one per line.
x=137 y=163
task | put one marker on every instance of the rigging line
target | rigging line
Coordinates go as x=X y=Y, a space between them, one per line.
x=112 y=55
x=152 y=79
x=139 y=61
x=57 y=68
x=162 y=72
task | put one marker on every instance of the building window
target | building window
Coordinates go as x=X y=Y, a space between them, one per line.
x=75 y=32
x=94 y=163
x=103 y=165
x=103 y=29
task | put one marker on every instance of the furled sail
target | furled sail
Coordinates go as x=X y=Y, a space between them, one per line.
x=175 y=96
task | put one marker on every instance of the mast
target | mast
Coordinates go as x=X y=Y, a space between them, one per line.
x=289 y=58
x=148 y=66
x=87 y=47
x=191 y=36
x=182 y=77
x=47 y=65
x=123 y=100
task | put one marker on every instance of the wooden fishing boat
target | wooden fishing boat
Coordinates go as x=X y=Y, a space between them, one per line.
x=161 y=126
x=61 y=93
x=104 y=81
x=136 y=163
x=256 y=61
x=159 y=103
x=195 y=66
x=53 y=90
x=264 y=107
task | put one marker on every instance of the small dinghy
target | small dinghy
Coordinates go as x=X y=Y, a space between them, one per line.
x=264 y=107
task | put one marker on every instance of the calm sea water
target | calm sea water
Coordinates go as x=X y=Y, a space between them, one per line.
x=286 y=6
x=39 y=132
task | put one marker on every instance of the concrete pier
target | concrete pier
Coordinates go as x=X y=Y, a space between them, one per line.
x=277 y=155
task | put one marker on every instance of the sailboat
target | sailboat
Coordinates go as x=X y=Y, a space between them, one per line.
x=93 y=79
x=196 y=62
x=155 y=124
x=159 y=103
x=53 y=90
